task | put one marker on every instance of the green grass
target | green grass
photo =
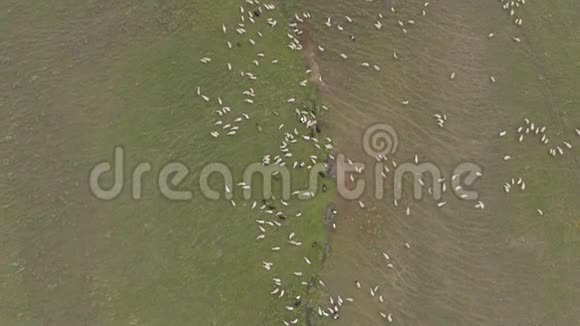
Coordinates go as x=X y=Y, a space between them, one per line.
x=544 y=87
x=79 y=78
x=70 y=259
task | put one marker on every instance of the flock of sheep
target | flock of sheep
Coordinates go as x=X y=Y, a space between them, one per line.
x=274 y=213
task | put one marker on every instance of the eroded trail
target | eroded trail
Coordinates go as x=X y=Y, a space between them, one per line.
x=310 y=56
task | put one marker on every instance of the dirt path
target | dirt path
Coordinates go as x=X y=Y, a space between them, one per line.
x=310 y=56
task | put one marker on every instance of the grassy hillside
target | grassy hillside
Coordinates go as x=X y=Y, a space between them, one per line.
x=81 y=78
